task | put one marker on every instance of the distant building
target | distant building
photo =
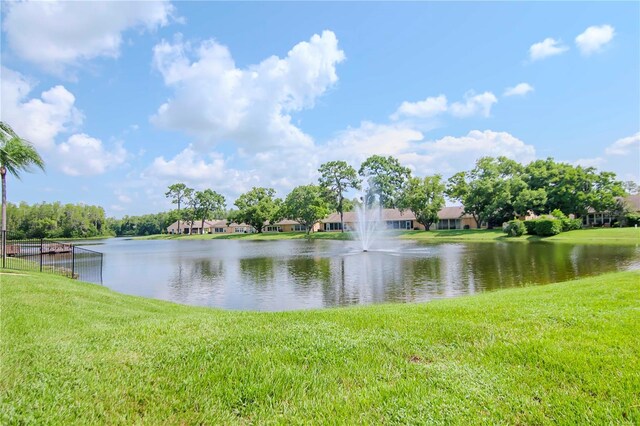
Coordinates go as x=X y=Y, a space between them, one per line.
x=210 y=227
x=449 y=218
x=594 y=218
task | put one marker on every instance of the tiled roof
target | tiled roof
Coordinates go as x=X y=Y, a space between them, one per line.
x=396 y=214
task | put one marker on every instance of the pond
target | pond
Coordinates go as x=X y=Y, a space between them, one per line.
x=299 y=274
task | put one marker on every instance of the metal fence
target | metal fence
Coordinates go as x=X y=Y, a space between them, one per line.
x=44 y=255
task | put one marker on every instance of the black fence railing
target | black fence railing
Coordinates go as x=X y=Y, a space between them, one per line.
x=44 y=255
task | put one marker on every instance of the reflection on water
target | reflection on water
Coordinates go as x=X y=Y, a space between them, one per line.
x=283 y=275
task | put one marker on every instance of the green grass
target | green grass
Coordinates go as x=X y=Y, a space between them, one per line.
x=621 y=236
x=253 y=237
x=566 y=353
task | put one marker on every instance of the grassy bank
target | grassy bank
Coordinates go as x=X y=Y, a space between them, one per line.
x=582 y=236
x=565 y=353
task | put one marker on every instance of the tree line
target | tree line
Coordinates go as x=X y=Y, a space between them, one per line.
x=495 y=191
x=56 y=220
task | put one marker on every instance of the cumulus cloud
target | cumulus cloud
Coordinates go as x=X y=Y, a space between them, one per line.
x=474 y=105
x=547 y=47
x=596 y=162
x=39 y=120
x=430 y=107
x=594 y=38
x=518 y=90
x=58 y=34
x=216 y=101
x=625 y=146
x=82 y=155
x=444 y=155
x=433 y=106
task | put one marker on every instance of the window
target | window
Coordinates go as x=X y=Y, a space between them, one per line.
x=332 y=226
x=272 y=228
x=299 y=227
x=399 y=224
x=239 y=230
x=218 y=230
x=449 y=224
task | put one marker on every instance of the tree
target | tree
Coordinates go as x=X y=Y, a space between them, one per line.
x=530 y=200
x=178 y=192
x=424 y=197
x=631 y=187
x=256 y=207
x=193 y=205
x=306 y=205
x=386 y=178
x=210 y=203
x=16 y=155
x=337 y=177
x=488 y=191
x=573 y=189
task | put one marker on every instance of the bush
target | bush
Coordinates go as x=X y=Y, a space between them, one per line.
x=571 y=224
x=530 y=226
x=515 y=228
x=558 y=214
x=548 y=227
x=632 y=219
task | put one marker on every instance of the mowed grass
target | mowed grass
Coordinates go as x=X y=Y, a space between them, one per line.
x=566 y=353
x=610 y=236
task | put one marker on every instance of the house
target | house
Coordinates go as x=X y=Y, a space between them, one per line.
x=449 y=218
x=593 y=218
x=288 y=225
x=210 y=227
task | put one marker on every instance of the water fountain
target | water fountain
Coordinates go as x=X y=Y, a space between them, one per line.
x=368 y=225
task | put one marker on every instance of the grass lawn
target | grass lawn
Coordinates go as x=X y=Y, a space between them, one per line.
x=566 y=353
x=583 y=236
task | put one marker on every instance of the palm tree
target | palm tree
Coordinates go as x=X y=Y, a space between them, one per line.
x=16 y=155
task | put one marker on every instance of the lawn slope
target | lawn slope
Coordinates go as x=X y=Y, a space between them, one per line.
x=565 y=353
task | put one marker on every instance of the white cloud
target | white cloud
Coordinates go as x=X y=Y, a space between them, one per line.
x=625 y=146
x=433 y=106
x=82 y=155
x=593 y=39
x=123 y=198
x=430 y=107
x=216 y=101
x=446 y=155
x=39 y=120
x=57 y=34
x=474 y=105
x=42 y=120
x=596 y=162
x=518 y=90
x=547 y=47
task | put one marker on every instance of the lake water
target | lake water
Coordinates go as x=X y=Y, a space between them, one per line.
x=299 y=274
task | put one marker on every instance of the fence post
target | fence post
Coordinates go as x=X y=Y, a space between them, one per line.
x=3 y=244
x=41 y=254
x=73 y=261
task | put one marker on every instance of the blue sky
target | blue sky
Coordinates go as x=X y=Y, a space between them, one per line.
x=123 y=99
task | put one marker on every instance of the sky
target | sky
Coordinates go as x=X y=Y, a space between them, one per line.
x=122 y=99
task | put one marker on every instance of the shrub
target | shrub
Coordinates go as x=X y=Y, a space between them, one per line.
x=530 y=226
x=632 y=219
x=571 y=224
x=515 y=228
x=548 y=227
x=558 y=214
